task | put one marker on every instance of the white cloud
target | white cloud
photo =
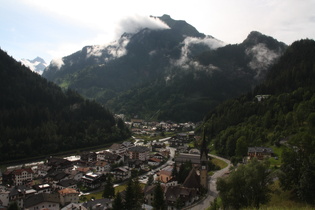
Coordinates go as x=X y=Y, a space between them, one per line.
x=115 y=49
x=133 y=24
x=262 y=58
x=185 y=59
x=98 y=21
x=58 y=62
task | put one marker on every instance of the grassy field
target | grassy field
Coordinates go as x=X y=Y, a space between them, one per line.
x=284 y=200
x=219 y=163
x=98 y=195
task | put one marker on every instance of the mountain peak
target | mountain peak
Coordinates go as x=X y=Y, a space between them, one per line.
x=181 y=26
x=37 y=64
x=256 y=37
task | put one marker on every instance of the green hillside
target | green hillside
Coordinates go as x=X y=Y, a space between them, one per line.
x=38 y=118
x=284 y=119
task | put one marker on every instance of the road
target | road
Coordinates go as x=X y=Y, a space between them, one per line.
x=212 y=193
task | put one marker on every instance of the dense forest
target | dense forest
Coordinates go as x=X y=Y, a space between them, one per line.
x=284 y=117
x=38 y=118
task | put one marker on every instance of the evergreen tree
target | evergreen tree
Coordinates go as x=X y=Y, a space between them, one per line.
x=109 y=190
x=118 y=203
x=174 y=171
x=158 y=200
x=130 y=196
x=150 y=180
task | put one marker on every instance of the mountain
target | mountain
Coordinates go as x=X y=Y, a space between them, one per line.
x=37 y=64
x=38 y=118
x=284 y=120
x=176 y=73
x=289 y=90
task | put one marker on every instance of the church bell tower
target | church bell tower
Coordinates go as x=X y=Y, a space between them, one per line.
x=204 y=163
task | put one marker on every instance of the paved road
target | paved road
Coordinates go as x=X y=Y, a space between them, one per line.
x=212 y=193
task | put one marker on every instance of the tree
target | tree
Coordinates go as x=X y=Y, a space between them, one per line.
x=118 y=204
x=150 y=180
x=138 y=194
x=158 y=200
x=129 y=196
x=134 y=195
x=174 y=171
x=298 y=167
x=241 y=147
x=247 y=186
x=109 y=190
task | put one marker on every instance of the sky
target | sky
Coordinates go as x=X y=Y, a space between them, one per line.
x=55 y=28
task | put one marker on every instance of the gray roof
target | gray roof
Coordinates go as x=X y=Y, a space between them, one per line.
x=260 y=149
x=67 y=182
x=140 y=149
x=97 y=204
x=36 y=199
x=183 y=157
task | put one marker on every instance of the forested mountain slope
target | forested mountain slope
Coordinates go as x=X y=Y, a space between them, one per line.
x=174 y=73
x=38 y=118
x=286 y=116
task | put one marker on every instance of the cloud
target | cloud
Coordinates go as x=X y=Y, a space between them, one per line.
x=114 y=49
x=134 y=23
x=262 y=58
x=185 y=59
x=58 y=62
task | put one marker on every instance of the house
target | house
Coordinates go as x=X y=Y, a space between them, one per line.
x=139 y=152
x=19 y=176
x=59 y=163
x=156 y=146
x=67 y=183
x=158 y=156
x=18 y=193
x=127 y=144
x=68 y=195
x=74 y=206
x=136 y=164
x=259 y=152
x=42 y=170
x=92 y=180
x=98 y=204
x=261 y=97
x=56 y=176
x=4 y=196
x=101 y=166
x=154 y=162
x=121 y=173
x=42 y=201
x=77 y=174
x=109 y=157
x=181 y=139
x=117 y=148
x=42 y=188
x=165 y=174
x=175 y=194
x=148 y=192
x=89 y=156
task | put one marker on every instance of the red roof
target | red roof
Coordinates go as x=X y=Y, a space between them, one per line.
x=19 y=171
x=155 y=160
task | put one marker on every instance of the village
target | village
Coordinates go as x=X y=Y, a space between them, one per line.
x=62 y=182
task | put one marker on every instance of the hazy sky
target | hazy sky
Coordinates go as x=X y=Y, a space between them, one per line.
x=56 y=28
